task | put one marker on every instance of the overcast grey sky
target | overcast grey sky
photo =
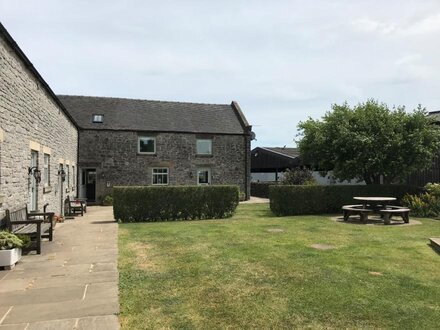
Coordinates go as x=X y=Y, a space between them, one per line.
x=281 y=60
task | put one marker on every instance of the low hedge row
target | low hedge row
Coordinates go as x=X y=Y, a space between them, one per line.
x=261 y=189
x=296 y=200
x=139 y=204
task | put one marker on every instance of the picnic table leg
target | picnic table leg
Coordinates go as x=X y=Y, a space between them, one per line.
x=364 y=217
x=405 y=217
x=386 y=218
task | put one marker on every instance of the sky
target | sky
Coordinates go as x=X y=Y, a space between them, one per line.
x=283 y=61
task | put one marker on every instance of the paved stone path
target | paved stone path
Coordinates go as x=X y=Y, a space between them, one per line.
x=73 y=284
x=256 y=200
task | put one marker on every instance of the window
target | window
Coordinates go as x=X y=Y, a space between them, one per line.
x=98 y=118
x=146 y=145
x=67 y=176
x=203 y=176
x=73 y=177
x=46 y=170
x=204 y=147
x=160 y=176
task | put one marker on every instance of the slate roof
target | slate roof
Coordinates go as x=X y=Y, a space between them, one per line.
x=159 y=116
x=289 y=152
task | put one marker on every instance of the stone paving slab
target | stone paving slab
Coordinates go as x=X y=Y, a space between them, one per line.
x=73 y=284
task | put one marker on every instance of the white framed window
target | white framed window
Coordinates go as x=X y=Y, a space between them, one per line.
x=46 y=170
x=204 y=146
x=204 y=176
x=98 y=118
x=67 y=176
x=160 y=176
x=146 y=145
x=73 y=178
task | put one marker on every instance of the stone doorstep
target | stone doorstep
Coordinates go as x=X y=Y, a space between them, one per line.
x=435 y=243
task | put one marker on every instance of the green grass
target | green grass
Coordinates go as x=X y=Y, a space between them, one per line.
x=234 y=273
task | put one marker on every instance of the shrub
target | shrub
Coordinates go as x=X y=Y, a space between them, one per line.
x=9 y=241
x=137 y=204
x=261 y=189
x=298 y=176
x=426 y=204
x=108 y=200
x=295 y=200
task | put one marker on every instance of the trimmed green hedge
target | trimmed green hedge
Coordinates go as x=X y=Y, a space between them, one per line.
x=139 y=204
x=261 y=189
x=296 y=200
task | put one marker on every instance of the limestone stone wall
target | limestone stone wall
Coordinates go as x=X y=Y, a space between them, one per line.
x=31 y=120
x=115 y=156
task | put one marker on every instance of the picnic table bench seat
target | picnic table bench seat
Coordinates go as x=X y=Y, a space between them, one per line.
x=36 y=225
x=349 y=210
x=388 y=213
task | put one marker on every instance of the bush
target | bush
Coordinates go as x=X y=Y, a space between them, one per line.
x=426 y=204
x=298 y=176
x=138 y=204
x=9 y=241
x=261 y=189
x=295 y=200
x=108 y=200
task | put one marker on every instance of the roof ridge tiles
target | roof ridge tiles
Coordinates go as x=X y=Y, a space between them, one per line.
x=138 y=99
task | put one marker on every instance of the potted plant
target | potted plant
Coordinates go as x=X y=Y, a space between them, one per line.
x=10 y=249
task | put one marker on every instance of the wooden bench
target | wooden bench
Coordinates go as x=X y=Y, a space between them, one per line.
x=35 y=225
x=388 y=213
x=348 y=210
x=74 y=207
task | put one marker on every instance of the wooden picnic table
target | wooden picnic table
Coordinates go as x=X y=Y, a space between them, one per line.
x=375 y=201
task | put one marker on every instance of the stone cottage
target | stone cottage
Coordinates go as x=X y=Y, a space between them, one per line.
x=140 y=142
x=38 y=137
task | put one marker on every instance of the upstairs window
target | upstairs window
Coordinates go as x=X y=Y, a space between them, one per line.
x=204 y=147
x=97 y=118
x=146 y=145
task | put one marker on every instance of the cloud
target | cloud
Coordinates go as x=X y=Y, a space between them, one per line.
x=283 y=61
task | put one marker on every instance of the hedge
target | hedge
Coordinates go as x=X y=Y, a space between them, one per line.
x=139 y=204
x=261 y=189
x=296 y=200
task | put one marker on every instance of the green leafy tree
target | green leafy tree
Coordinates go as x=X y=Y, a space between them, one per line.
x=368 y=141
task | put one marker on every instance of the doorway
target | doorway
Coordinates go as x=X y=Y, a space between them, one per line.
x=90 y=184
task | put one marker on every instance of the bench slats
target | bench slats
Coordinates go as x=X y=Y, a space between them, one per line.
x=22 y=222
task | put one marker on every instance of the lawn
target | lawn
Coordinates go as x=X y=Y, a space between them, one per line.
x=259 y=271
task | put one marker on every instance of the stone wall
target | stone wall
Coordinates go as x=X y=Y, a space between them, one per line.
x=31 y=120
x=115 y=156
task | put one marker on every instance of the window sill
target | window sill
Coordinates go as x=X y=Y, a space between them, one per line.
x=204 y=155
x=47 y=189
x=147 y=154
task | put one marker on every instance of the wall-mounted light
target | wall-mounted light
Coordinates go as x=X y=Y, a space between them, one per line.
x=35 y=172
x=62 y=174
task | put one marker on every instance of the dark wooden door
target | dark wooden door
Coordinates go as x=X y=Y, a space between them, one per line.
x=91 y=185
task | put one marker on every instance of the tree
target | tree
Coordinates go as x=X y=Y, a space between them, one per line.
x=369 y=141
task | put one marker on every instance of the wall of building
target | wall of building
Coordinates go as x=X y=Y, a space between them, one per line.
x=328 y=179
x=117 y=162
x=31 y=120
